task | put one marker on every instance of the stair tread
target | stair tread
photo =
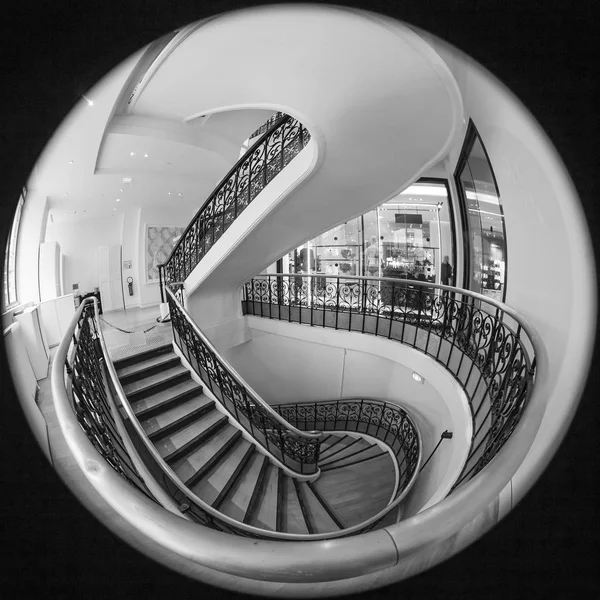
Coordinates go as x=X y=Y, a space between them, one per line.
x=237 y=501
x=164 y=395
x=190 y=465
x=153 y=361
x=334 y=448
x=140 y=356
x=171 y=415
x=349 y=459
x=178 y=439
x=147 y=382
x=341 y=452
x=266 y=514
x=293 y=518
x=214 y=481
x=319 y=517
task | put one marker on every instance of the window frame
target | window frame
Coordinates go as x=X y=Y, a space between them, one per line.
x=8 y=301
x=471 y=136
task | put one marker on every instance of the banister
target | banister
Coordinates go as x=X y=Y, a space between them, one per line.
x=416 y=282
x=244 y=158
x=309 y=561
x=255 y=396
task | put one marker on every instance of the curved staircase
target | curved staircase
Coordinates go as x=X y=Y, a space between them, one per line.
x=226 y=469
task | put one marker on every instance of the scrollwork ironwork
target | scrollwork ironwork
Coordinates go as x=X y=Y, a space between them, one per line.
x=471 y=339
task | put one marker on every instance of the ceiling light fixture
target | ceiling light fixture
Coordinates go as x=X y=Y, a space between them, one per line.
x=132 y=154
x=145 y=156
x=418 y=377
x=90 y=102
x=121 y=190
x=118 y=199
x=70 y=162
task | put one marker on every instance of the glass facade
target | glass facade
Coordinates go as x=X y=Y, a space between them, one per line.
x=483 y=221
x=406 y=237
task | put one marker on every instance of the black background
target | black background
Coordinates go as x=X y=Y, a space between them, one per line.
x=52 y=52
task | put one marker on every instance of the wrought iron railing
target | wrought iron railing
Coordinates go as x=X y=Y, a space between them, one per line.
x=87 y=391
x=248 y=177
x=295 y=449
x=267 y=125
x=386 y=422
x=478 y=340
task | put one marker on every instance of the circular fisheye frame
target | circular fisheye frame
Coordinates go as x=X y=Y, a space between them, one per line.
x=335 y=369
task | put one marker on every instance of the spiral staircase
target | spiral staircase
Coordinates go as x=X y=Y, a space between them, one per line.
x=185 y=450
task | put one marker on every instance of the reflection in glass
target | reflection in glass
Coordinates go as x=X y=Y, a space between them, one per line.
x=485 y=222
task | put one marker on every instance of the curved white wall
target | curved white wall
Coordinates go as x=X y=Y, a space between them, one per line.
x=287 y=362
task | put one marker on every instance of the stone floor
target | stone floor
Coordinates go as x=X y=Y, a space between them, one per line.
x=128 y=332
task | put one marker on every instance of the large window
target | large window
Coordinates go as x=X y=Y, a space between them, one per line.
x=407 y=237
x=483 y=220
x=10 y=260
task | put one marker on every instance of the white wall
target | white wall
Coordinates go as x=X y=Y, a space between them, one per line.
x=286 y=362
x=31 y=233
x=550 y=269
x=79 y=242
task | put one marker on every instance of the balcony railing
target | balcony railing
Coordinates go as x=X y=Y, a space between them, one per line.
x=248 y=177
x=298 y=450
x=478 y=340
x=384 y=421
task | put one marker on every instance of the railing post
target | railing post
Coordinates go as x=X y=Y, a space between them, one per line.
x=161 y=283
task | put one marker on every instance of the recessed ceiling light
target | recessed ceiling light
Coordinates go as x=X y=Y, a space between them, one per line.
x=121 y=190
x=145 y=156
x=169 y=193
x=70 y=162
x=180 y=194
x=66 y=194
x=118 y=199
x=90 y=102
x=132 y=154
x=114 y=209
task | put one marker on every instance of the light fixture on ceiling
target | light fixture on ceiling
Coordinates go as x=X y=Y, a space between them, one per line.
x=70 y=162
x=121 y=190
x=118 y=200
x=180 y=194
x=127 y=180
x=90 y=102
x=145 y=156
x=132 y=154
x=66 y=194
x=169 y=193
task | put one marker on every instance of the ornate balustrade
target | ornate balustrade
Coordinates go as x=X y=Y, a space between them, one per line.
x=478 y=340
x=385 y=422
x=296 y=449
x=248 y=177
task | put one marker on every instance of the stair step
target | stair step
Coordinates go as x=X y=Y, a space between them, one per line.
x=188 y=440
x=356 y=448
x=183 y=421
x=142 y=356
x=217 y=482
x=157 y=382
x=373 y=453
x=153 y=365
x=293 y=517
x=317 y=518
x=266 y=513
x=153 y=424
x=338 y=447
x=165 y=400
x=237 y=503
x=191 y=464
x=322 y=502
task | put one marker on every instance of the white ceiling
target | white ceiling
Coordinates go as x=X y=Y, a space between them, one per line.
x=83 y=167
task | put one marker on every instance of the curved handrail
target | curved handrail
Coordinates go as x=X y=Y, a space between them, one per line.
x=214 y=518
x=311 y=413
x=249 y=409
x=244 y=181
x=497 y=375
x=305 y=562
